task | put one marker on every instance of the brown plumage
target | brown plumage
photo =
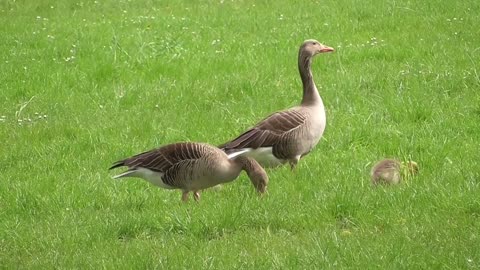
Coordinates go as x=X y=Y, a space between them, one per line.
x=191 y=167
x=392 y=171
x=288 y=135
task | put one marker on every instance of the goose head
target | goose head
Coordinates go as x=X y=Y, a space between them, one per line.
x=259 y=179
x=312 y=47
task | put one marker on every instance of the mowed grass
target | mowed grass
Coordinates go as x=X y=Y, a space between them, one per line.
x=85 y=83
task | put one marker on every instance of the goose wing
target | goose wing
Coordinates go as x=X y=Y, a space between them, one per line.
x=165 y=157
x=269 y=131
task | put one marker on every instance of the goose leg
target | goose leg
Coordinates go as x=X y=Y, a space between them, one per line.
x=196 y=195
x=293 y=165
x=185 y=196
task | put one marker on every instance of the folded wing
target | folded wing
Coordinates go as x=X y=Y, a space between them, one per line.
x=163 y=158
x=268 y=132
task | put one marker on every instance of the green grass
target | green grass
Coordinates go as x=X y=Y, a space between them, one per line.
x=115 y=78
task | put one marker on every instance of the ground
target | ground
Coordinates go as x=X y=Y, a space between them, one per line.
x=86 y=83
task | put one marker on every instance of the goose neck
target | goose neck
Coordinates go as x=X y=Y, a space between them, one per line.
x=255 y=172
x=244 y=163
x=310 y=92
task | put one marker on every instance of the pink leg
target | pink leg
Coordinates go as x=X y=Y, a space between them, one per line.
x=293 y=162
x=185 y=196
x=292 y=166
x=196 y=195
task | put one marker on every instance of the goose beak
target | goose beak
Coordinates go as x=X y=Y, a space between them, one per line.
x=325 y=49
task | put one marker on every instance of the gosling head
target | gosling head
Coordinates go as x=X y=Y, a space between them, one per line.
x=411 y=167
x=313 y=47
x=409 y=170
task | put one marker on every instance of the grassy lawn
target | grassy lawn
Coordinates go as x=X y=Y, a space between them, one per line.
x=85 y=83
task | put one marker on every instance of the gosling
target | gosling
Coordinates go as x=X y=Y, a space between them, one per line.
x=392 y=171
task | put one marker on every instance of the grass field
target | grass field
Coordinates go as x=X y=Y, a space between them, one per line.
x=85 y=83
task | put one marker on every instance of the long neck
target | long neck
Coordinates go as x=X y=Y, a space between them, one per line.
x=255 y=172
x=247 y=164
x=310 y=92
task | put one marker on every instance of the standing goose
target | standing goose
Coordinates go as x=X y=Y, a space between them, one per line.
x=288 y=135
x=191 y=167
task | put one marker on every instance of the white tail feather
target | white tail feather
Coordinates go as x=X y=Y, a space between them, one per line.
x=238 y=153
x=146 y=174
x=124 y=174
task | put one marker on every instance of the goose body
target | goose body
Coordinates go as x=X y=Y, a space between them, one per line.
x=191 y=167
x=288 y=135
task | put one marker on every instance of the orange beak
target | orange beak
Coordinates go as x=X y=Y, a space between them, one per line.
x=326 y=49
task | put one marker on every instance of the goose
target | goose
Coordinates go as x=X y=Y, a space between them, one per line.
x=191 y=167
x=392 y=171
x=288 y=135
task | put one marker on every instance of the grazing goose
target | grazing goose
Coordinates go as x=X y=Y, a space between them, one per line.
x=191 y=167
x=391 y=171
x=287 y=136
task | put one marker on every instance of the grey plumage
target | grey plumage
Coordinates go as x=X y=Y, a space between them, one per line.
x=288 y=135
x=191 y=167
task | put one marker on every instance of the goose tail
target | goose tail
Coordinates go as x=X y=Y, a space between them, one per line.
x=117 y=164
